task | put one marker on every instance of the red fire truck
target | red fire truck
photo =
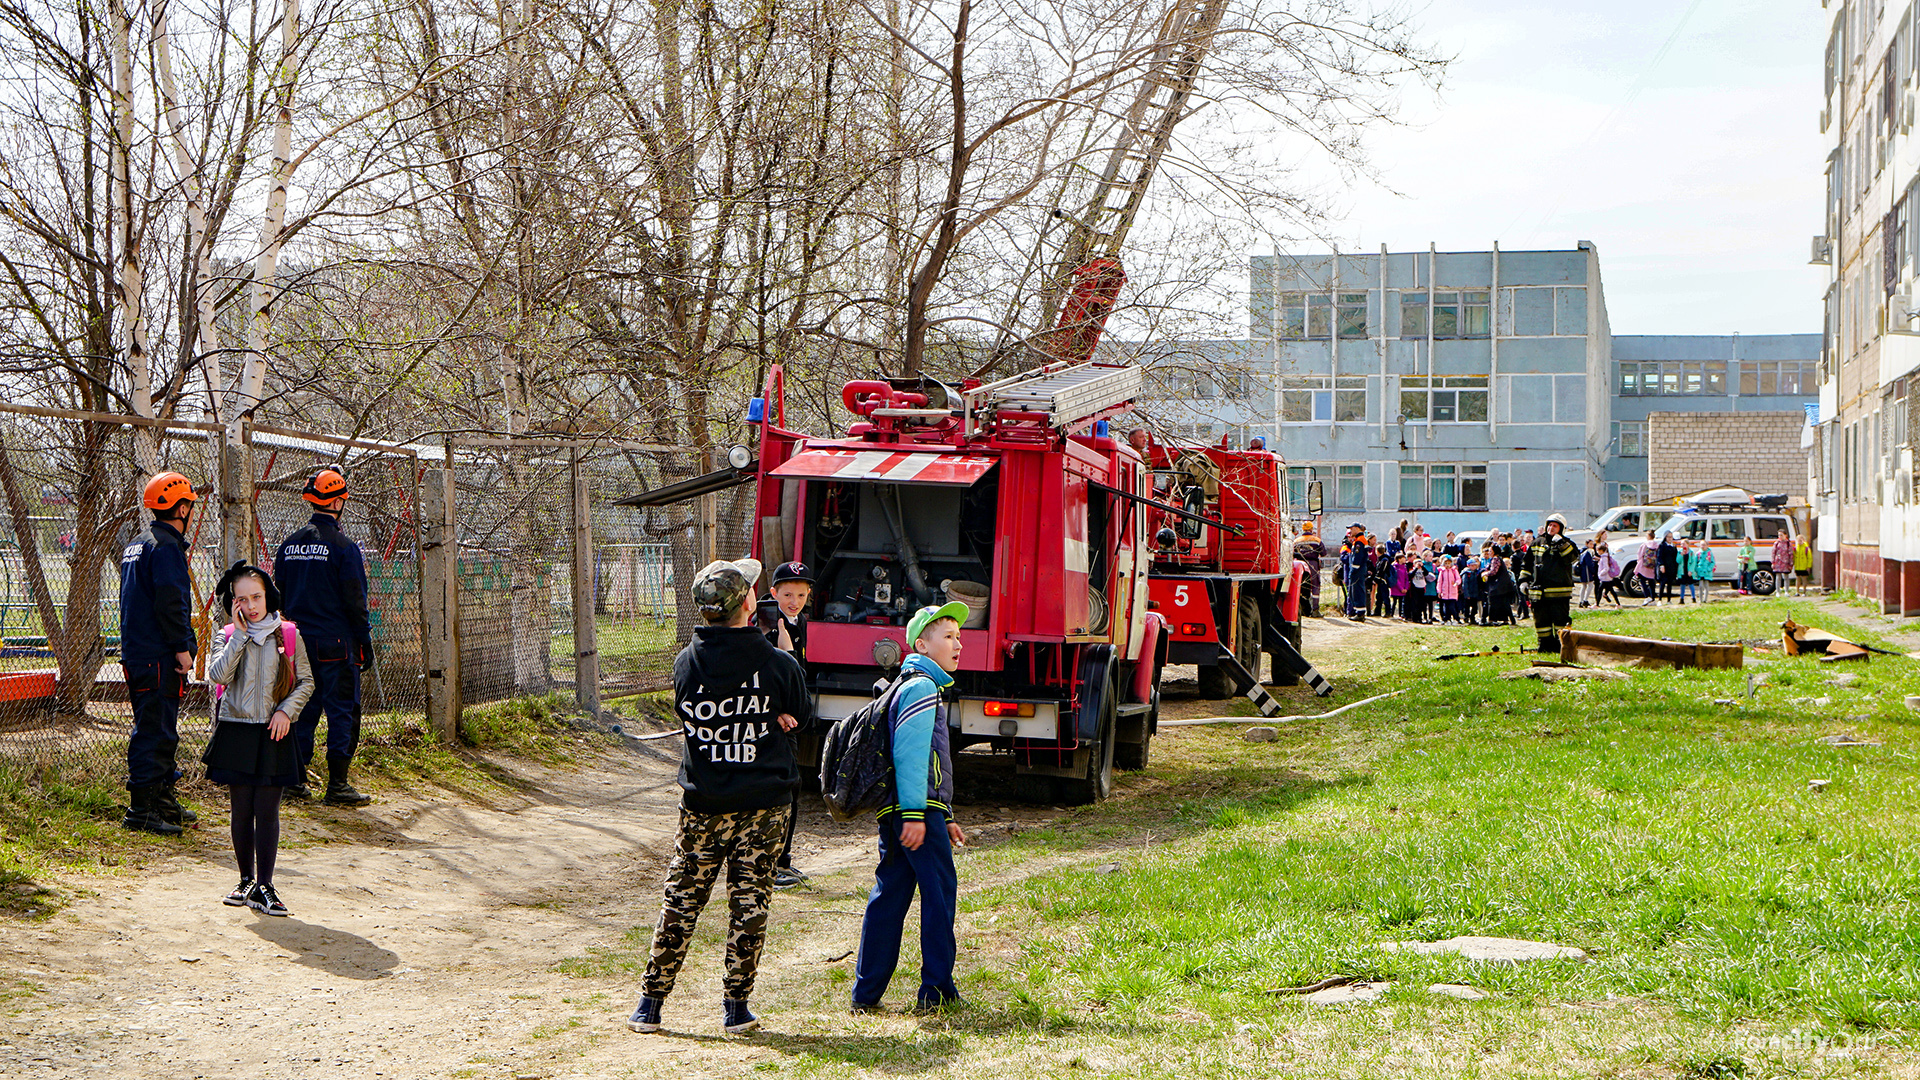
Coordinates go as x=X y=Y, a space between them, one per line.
x=1013 y=497
x=1229 y=584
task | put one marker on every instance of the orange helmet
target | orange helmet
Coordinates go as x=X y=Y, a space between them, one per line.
x=324 y=487
x=166 y=491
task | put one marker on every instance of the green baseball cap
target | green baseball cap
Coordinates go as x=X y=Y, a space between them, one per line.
x=952 y=609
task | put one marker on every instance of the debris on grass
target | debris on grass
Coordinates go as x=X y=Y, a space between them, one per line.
x=1797 y=638
x=1617 y=650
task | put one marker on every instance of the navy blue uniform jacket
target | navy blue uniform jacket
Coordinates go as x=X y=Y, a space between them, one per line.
x=156 y=597
x=323 y=583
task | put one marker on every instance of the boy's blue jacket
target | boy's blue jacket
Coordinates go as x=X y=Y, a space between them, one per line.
x=156 y=597
x=323 y=583
x=922 y=752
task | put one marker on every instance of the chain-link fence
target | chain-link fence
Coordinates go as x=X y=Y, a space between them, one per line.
x=70 y=502
x=516 y=522
x=517 y=509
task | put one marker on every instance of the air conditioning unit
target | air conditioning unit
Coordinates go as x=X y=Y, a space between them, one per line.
x=1822 y=251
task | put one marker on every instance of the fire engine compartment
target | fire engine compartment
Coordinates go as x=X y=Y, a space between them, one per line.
x=862 y=568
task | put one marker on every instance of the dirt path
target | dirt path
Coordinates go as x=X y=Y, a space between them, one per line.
x=432 y=944
x=428 y=948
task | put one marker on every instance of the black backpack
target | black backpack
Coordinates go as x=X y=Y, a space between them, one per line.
x=856 y=757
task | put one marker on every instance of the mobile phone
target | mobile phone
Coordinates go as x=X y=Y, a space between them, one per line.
x=766 y=615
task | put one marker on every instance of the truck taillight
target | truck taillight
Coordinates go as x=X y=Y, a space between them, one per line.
x=1193 y=629
x=1007 y=708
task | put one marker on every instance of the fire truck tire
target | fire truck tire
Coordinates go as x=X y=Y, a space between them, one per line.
x=1097 y=784
x=1283 y=675
x=1215 y=683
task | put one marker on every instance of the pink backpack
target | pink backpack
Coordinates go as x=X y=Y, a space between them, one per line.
x=287 y=631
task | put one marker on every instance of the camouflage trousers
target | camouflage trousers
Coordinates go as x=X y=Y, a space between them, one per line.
x=746 y=843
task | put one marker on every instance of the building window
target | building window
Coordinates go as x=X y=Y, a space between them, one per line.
x=1796 y=377
x=1310 y=315
x=1350 y=488
x=1630 y=438
x=1451 y=399
x=1673 y=378
x=1353 y=315
x=1629 y=493
x=1455 y=314
x=1319 y=399
x=1443 y=487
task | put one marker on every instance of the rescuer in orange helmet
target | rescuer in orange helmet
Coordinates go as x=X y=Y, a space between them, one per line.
x=323 y=588
x=157 y=646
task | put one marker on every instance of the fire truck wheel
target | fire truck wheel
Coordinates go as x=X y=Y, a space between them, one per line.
x=1097 y=784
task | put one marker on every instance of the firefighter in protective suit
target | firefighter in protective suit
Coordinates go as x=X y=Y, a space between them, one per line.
x=157 y=646
x=1554 y=556
x=323 y=589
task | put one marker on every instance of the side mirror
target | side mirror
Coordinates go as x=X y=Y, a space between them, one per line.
x=1316 y=497
x=1194 y=501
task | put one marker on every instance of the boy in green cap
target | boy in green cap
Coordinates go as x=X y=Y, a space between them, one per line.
x=916 y=837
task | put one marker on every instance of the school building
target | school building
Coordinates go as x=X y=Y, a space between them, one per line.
x=1472 y=390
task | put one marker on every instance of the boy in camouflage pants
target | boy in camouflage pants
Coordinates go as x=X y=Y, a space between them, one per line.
x=737 y=697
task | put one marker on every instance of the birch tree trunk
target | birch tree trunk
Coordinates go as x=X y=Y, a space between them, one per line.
x=146 y=444
x=207 y=334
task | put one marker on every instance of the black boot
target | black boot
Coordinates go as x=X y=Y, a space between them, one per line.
x=339 y=792
x=166 y=803
x=143 y=817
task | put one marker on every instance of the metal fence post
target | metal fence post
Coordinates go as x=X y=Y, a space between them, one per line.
x=440 y=600
x=586 y=645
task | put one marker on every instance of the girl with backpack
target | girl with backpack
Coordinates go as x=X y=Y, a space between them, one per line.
x=262 y=689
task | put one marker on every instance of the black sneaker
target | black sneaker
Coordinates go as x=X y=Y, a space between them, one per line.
x=736 y=1018
x=866 y=1008
x=238 y=897
x=646 y=1015
x=264 y=900
x=786 y=877
x=298 y=791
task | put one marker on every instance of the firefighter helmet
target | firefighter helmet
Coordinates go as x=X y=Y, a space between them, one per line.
x=324 y=486
x=166 y=491
x=1556 y=519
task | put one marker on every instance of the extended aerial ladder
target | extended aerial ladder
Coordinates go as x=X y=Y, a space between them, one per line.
x=1077 y=298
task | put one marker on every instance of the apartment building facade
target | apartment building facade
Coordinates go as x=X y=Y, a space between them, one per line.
x=1869 y=531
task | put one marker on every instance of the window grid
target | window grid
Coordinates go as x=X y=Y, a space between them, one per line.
x=1443 y=487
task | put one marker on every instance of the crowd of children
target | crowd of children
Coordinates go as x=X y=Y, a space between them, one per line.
x=1416 y=577
x=1419 y=578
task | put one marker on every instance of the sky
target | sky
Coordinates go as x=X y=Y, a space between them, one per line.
x=1680 y=137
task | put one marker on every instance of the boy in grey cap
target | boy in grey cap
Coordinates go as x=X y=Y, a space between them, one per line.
x=737 y=697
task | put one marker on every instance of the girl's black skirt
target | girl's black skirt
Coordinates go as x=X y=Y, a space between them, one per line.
x=244 y=754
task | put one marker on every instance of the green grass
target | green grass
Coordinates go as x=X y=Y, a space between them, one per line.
x=1673 y=838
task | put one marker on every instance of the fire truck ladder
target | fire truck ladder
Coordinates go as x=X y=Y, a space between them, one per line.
x=1068 y=394
x=1101 y=228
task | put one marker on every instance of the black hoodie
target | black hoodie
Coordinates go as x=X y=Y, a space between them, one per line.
x=730 y=686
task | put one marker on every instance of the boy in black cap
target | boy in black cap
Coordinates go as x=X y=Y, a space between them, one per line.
x=737 y=698
x=786 y=612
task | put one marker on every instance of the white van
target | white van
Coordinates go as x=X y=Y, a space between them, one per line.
x=1624 y=521
x=1724 y=527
